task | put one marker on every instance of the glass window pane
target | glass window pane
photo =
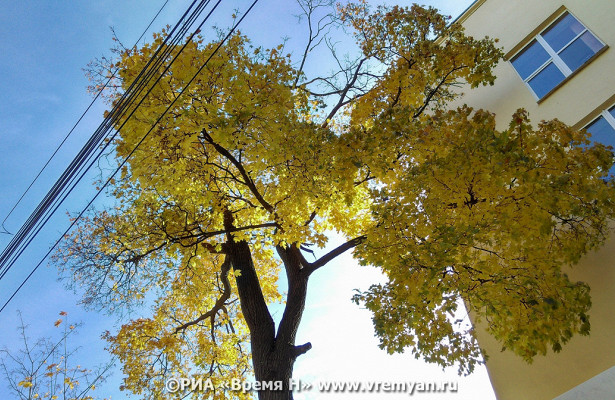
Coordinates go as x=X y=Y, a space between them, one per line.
x=602 y=132
x=530 y=60
x=562 y=32
x=580 y=50
x=546 y=80
x=612 y=112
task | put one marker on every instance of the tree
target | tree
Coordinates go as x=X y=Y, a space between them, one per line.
x=257 y=161
x=46 y=368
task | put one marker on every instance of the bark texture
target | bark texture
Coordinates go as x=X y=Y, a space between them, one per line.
x=273 y=353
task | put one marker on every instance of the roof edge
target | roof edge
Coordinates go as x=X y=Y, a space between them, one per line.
x=468 y=12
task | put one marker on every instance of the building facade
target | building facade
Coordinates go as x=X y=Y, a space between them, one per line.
x=558 y=64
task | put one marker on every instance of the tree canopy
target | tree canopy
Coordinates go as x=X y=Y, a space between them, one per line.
x=257 y=161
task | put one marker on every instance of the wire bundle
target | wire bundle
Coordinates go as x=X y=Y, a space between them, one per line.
x=104 y=135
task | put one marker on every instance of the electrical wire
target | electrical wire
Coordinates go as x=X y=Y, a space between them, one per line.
x=100 y=190
x=98 y=94
x=124 y=104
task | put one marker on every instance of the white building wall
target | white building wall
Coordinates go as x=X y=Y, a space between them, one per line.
x=576 y=102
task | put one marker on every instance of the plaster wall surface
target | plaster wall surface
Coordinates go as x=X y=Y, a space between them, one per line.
x=578 y=101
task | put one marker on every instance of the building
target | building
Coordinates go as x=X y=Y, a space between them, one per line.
x=558 y=64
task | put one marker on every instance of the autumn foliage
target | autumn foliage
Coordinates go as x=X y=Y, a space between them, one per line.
x=257 y=161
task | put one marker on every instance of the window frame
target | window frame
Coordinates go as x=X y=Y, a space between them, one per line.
x=606 y=114
x=554 y=55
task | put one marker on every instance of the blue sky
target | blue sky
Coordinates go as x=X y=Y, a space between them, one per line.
x=43 y=47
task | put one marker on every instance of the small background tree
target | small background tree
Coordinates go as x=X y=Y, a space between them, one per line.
x=47 y=368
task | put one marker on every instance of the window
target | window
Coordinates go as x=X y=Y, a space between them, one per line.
x=602 y=129
x=555 y=54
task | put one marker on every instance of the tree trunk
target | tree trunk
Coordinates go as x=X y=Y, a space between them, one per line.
x=276 y=370
x=273 y=355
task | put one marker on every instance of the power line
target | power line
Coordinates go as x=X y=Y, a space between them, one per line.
x=101 y=138
x=100 y=190
x=2 y=225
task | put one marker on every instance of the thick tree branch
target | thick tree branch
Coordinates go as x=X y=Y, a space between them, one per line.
x=248 y=180
x=334 y=253
x=297 y=290
x=253 y=305
x=206 y=235
x=233 y=229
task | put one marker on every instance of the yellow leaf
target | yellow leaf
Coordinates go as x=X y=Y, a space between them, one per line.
x=25 y=383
